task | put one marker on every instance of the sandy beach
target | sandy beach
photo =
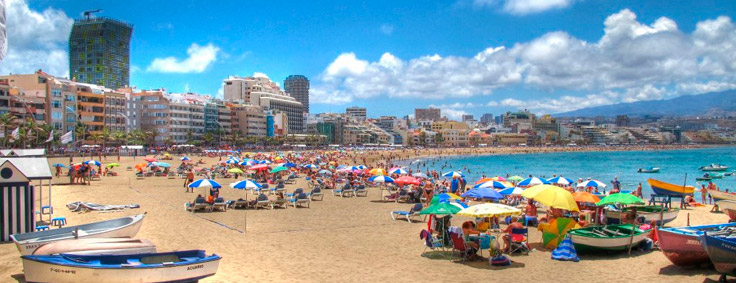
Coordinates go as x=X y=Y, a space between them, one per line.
x=336 y=239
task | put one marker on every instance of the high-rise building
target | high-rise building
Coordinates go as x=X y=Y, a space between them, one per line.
x=298 y=87
x=262 y=92
x=99 y=52
x=359 y=113
x=431 y=114
x=487 y=118
x=467 y=117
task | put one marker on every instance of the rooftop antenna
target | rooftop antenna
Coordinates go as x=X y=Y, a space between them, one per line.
x=88 y=14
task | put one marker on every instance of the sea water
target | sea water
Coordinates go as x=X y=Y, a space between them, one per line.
x=676 y=166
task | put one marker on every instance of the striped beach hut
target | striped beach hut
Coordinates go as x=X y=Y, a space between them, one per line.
x=17 y=199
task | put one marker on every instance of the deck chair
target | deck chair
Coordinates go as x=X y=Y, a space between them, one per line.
x=199 y=204
x=295 y=193
x=316 y=193
x=262 y=202
x=413 y=212
x=139 y=176
x=346 y=190
x=520 y=240
x=219 y=204
x=360 y=190
x=429 y=241
x=302 y=198
x=280 y=187
x=403 y=196
x=458 y=244
x=280 y=202
x=240 y=203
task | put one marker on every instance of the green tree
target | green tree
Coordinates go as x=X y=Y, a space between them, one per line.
x=208 y=138
x=80 y=132
x=95 y=137
x=6 y=121
x=105 y=136
x=438 y=139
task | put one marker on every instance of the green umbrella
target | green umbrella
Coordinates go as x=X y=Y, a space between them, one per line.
x=515 y=178
x=113 y=165
x=279 y=169
x=620 y=198
x=441 y=209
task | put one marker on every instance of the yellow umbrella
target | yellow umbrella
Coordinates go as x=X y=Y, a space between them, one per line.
x=552 y=196
x=378 y=172
x=489 y=210
x=235 y=171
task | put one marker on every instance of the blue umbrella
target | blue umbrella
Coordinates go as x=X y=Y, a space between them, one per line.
x=311 y=166
x=93 y=162
x=245 y=184
x=398 y=170
x=163 y=164
x=232 y=161
x=234 y=158
x=184 y=158
x=561 y=181
x=205 y=183
x=492 y=184
x=324 y=172
x=592 y=183
x=453 y=174
x=511 y=191
x=58 y=165
x=482 y=193
x=532 y=182
x=381 y=179
x=289 y=164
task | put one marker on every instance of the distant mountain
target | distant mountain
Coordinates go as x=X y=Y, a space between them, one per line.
x=717 y=103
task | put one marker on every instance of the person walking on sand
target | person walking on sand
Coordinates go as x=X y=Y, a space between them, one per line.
x=189 y=180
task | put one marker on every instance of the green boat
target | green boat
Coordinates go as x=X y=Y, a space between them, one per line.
x=606 y=238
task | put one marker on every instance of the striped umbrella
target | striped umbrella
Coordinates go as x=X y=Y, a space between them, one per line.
x=325 y=172
x=184 y=158
x=378 y=171
x=397 y=170
x=533 y=181
x=381 y=179
x=232 y=161
x=494 y=184
x=93 y=162
x=311 y=166
x=205 y=183
x=511 y=191
x=561 y=181
x=245 y=184
x=259 y=167
x=483 y=193
x=592 y=183
x=453 y=174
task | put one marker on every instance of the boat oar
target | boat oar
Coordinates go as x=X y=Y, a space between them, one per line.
x=631 y=240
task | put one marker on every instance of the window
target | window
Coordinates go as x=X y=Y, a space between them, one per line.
x=56 y=115
x=56 y=92
x=56 y=103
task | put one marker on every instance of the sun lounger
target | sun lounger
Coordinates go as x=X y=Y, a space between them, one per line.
x=219 y=204
x=139 y=176
x=262 y=202
x=199 y=204
x=95 y=178
x=301 y=199
x=240 y=203
x=360 y=190
x=346 y=190
x=281 y=202
x=316 y=193
x=413 y=212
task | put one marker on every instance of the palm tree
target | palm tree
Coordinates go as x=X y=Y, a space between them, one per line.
x=208 y=138
x=95 y=137
x=119 y=136
x=80 y=131
x=105 y=136
x=6 y=120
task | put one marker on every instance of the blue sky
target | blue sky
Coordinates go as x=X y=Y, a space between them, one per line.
x=465 y=56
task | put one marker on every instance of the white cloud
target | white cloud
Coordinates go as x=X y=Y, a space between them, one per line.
x=200 y=57
x=36 y=40
x=632 y=61
x=260 y=75
x=524 y=7
x=387 y=29
x=453 y=114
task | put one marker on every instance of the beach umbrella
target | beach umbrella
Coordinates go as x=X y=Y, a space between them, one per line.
x=483 y=180
x=311 y=166
x=489 y=210
x=111 y=165
x=592 y=183
x=554 y=232
x=561 y=181
x=259 y=167
x=420 y=175
x=398 y=170
x=453 y=174
x=325 y=172
x=360 y=167
x=442 y=208
x=552 y=196
x=499 y=178
x=233 y=158
x=619 y=198
x=205 y=183
x=494 y=184
x=516 y=191
x=93 y=162
x=58 y=165
x=185 y=159
x=163 y=164
x=150 y=159
x=483 y=193
x=378 y=171
x=289 y=165
x=279 y=169
x=152 y=164
x=245 y=184
x=406 y=180
x=381 y=179
x=235 y=171
x=585 y=197
x=533 y=181
x=515 y=178
x=232 y=161
x=445 y=197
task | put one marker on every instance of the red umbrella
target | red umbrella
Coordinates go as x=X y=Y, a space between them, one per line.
x=259 y=167
x=150 y=159
x=406 y=180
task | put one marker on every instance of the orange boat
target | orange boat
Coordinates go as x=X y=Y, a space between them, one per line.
x=663 y=188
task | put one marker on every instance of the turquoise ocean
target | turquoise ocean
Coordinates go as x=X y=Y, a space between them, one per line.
x=602 y=166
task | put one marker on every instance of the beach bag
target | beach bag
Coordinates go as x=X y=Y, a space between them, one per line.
x=500 y=261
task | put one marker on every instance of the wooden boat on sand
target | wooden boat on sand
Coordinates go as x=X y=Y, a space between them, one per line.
x=729 y=208
x=664 y=188
x=681 y=244
x=606 y=238
x=128 y=227
x=181 y=266
x=722 y=253
x=649 y=213
x=98 y=246
x=718 y=195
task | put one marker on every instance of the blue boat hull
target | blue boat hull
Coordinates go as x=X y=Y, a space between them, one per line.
x=722 y=252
